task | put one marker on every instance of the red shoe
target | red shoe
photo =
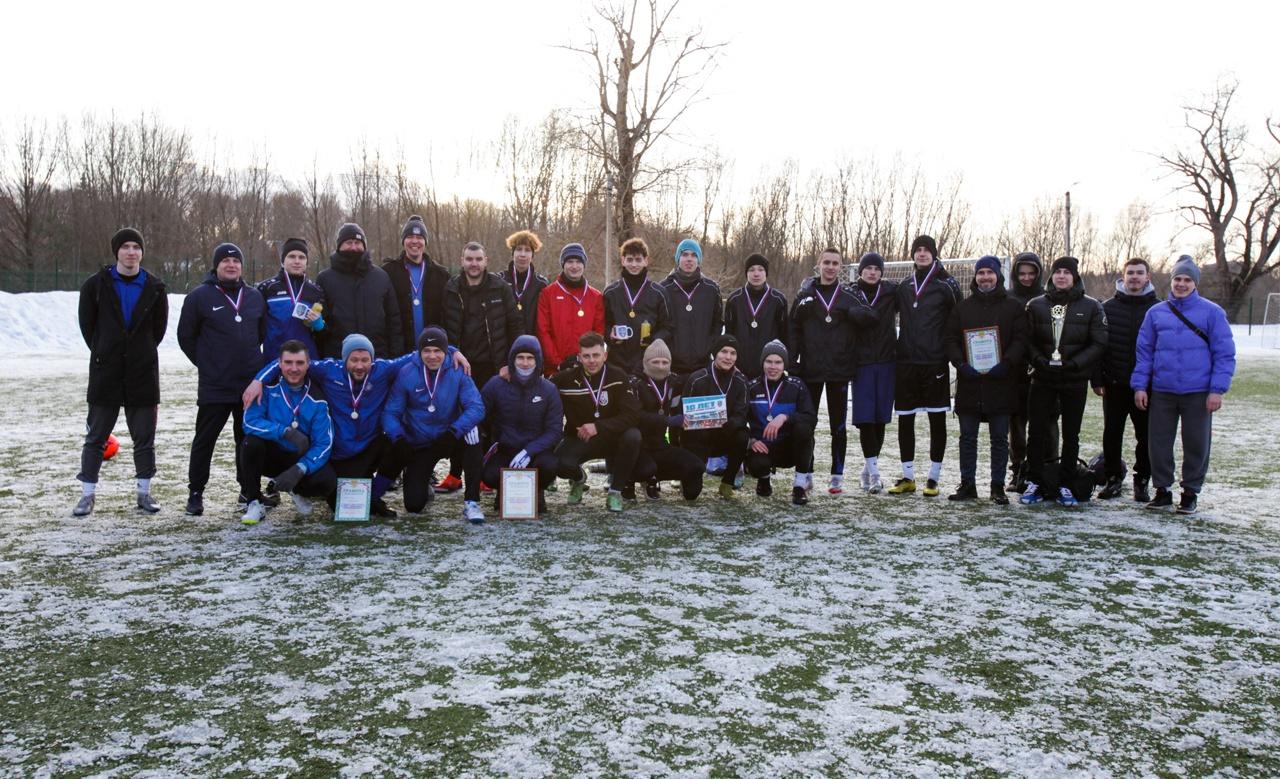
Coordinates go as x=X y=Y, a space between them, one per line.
x=485 y=489
x=449 y=483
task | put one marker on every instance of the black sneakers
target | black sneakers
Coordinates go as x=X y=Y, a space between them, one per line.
x=763 y=488
x=1188 y=503
x=1140 y=493
x=379 y=508
x=799 y=496
x=652 y=491
x=998 y=496
x=1112 y=488
x=966 y=491
x=195 y=503
x=1162 y=500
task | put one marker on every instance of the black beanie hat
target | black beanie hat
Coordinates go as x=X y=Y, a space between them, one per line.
x=293 y=245
x=433 y=336
x=869 y=259
x=1070 y=263
x=225 y=250
x=721 y=341
x=415 y=226
x=348 y=231
x=927 y=242
x=122 y=236
x=754 y=260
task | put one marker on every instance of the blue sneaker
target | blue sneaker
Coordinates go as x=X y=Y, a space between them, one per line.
x=1065 y=498
x=1031 y=495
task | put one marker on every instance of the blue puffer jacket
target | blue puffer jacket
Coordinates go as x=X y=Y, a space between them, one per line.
x=351 y=436
x=524 y=414
x=274 y=415
x=457 y=402
x=1172 y=358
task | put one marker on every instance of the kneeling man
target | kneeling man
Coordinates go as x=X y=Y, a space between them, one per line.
x=525 y=419
x=781 y=420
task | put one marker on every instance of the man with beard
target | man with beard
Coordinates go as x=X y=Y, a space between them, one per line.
x=822 y=342
x=922 y=383
x=220 y=330
x=660 y=392
x=756 y=314
x=1062 y=365
x=874 y=351
x=360 y=297
x=567 y=308
x=123 y=314
x=526 y=283
x=697 y=314
x=419 y=284
x=729 y=441
x=985 y=394
x=635 y=310
x=480 y=315
x=525 y=419
x=781 y=422
x=294 y=304
x=1135 y=295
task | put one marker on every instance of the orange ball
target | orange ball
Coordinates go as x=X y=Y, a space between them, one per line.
x=112 y=446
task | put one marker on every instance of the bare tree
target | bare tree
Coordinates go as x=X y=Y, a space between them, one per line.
x=647 y=77
x=26 y=194
x=1233 y=192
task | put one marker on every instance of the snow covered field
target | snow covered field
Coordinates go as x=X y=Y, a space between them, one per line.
x=860 y=635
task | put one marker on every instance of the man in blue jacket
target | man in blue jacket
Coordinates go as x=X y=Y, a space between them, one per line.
x=781 y=419
x=525 y=417
x=294 y=304
x=288 y=434
x=221 y=330
x=1186 y=357
x=434 y=409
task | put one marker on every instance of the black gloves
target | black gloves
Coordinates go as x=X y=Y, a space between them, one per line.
x=298 y=438
x=287 y=481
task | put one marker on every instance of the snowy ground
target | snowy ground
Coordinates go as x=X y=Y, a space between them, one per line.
x=861 y=635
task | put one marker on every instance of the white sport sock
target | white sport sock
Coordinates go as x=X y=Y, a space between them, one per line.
x=144 y=486
x=89 y=487
x=909 y=470
x=873 y=465
x=935 y=471
x=804 y=480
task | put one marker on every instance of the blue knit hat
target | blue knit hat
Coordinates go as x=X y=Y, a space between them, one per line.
x=871 y=258
x=688 y=245
x=990 y=262
x=355 y=343
x=1186 y=266
x=225 y=250
x=572 y=250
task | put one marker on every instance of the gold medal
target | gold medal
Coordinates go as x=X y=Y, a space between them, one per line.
x=581 y=312
x=519 y=306
x=632 y=315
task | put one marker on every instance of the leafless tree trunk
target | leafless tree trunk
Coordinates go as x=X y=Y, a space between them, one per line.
x=26 y=195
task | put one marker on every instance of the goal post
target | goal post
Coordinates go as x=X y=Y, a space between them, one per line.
x=1271 y=321
x=960 y=269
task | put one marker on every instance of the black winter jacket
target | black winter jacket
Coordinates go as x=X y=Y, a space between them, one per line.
x=654 y=412
x=618 y=406
x=1084 y=336
x=1125 y=313
x=702 y=383
x=650 y=307
x=434 y=279
x=226 y=353
x=482 y=321
x=360 y=299
x=986 y=394
x=922 y=320
x=875 y=331
x=692 y=331
x=526 y=297
x=822 y=350
x=772 y=322
x=124 y=368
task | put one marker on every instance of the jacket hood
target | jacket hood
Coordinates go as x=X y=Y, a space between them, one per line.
x=525 y=343
x=1147 y=291
x=343 y=263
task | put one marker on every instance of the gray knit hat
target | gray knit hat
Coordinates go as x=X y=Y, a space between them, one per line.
x=774 y=347
x=1186 y=266
x=355 y=343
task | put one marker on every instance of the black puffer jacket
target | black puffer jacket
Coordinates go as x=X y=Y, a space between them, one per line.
x=434 y=279
x=359 y=299
x=1125 y=313
x=1025 y=295
x=921 y=321
x=875 y=331
x=124 y=369
x=482 y=321
x=1084 y=336
x=822 y=350
x=986 y=394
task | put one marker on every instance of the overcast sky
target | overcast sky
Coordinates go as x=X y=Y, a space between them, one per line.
x=1025 y=99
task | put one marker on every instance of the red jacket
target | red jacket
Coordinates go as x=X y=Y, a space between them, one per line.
x=559 y=325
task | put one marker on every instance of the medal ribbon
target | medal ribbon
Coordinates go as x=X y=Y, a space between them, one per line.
x=716 y=379
x=570 y=294
x=872 y=302
x=662 y=396
x=426 y=379
x=284 y=393
x=294 y=295
x=755 y=309
x=364 y=385
x=630 y=298
x=920 y=286
x=771 y=399
x=235 y=304
x=827 y=304
x=515 y=274
x=422 y=269
x=689 y=294
x=595 y=393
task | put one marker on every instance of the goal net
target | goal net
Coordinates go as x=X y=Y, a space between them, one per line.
x=1271 y=322
x=961 y=269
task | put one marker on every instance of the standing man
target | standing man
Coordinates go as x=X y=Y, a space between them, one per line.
x=526 y=283
x=525 y=419
x=289 y=434
x=697 y=313
x=480 y=315
x=418 y=283
x=294 y=305
x=220 y=330
x=823 y=342
x=756 y=314
x=600 y=415
x=781 y=422
x=567 y=308
x=986 y=394
x=923 y=381
x=635 y=310
x=660 y=392
x=875 y=353
x=1027 y=286
x=1186 y=357
x=1135 y=295
x=123 y=314
x=1063 y=357
x=729 y=441
x=360 y=297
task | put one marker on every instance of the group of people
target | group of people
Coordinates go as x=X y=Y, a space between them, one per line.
x=382 y=372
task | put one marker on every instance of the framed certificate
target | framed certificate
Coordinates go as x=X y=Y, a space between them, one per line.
x=519 y=493
x=982 y=348
x=353 y=500
x=705 y=413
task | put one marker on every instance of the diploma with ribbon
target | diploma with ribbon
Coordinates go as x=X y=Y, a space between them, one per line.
x=706 y=412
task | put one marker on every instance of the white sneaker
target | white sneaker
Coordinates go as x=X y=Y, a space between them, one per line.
x=254 y=513
x=300 y=504
x=472 y=512
x=875 y=485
